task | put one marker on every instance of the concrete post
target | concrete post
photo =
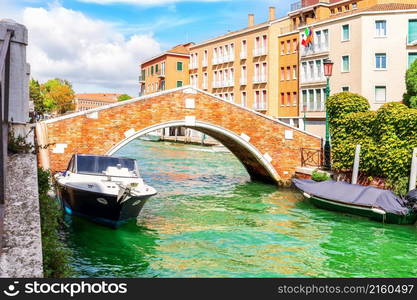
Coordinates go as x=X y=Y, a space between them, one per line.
x=356 y=165
x=413 y=172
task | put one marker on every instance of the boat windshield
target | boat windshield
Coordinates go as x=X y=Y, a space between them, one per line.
x=105 y=165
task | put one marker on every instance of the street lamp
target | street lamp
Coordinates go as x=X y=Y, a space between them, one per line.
x=328 y=68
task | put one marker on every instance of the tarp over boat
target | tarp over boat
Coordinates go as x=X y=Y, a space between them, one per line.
x=344 y=192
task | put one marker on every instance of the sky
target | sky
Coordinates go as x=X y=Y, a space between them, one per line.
x=98 y=45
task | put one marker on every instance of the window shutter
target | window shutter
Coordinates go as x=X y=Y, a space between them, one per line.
x=412 y=31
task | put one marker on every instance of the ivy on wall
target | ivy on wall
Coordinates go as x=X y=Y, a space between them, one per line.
x=387 y=137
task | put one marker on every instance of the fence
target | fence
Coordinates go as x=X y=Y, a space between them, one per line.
x=4 y=109
x=311 y=157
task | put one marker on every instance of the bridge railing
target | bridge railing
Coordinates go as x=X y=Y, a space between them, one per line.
x=311 y=157
x=4 y=109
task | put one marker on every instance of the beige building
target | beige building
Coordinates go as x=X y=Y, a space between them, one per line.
x=371 y=49
x=88 y=101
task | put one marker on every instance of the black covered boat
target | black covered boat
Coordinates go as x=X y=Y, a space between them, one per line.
x=377 y=204
x=105 y=189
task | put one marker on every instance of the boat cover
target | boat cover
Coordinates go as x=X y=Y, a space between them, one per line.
x=345 y=192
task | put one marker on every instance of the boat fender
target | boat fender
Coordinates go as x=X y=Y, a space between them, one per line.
x=308 y=196
x=102 y=201
x=378 y=211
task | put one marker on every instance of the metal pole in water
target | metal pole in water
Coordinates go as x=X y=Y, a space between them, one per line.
x=413 y=172
x=356 y=165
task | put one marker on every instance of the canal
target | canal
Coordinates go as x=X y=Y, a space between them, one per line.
x=209 y=220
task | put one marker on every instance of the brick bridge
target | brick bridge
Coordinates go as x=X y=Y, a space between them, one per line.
x=269 y=149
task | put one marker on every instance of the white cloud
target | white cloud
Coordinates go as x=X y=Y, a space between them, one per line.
x=90 y=53
x=146 y=2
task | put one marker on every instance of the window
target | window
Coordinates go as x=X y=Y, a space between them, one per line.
x=243 y=100
x=294 y=98
x=346 y=7
x=288 y=73
x=232 y=97
x=179 y=83
x=412 y=31
x=294 y=45
x=345 y=89
x=381 y=28
x=318 y=99
x=288 y=46
x=332 y=11
x=339 y=9
x=304 y=100
x=380 y=61
x=380 y=94
x=282 y=73
x=311 y=100
x=152 y=70
x=411 y=58
x=282 y=48
x=162 y=85
x=318 y=68
x=354 y=5
x=156 y=68
x=345 y=33
x=294 y=72
x=282 y=99
x=288 y=99
x=179 y=67
x=326 y=38
x=345 y=63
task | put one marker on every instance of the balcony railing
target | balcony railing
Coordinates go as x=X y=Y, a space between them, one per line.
x=259 y=52
x=243 y=81
x=259 y=78
x=160 y=73
x=310 y=79
x=314 y=49
x=205 y=85
x=205 y=63
x=260 y=105
x=243 y=54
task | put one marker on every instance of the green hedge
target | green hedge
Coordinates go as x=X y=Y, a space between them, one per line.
x=387 y=137
x=56 y=255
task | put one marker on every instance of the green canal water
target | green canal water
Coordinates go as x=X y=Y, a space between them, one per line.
x=209 y=220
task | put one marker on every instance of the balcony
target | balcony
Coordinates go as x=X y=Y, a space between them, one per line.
x=243 y=54
x=314 y=49
x=259 y=52
x=260 y=106
x=160 y=73
x=217 y=84
x=259 y=79
x=243 y=81
x=228 y=83
x=205 y=85
x=205 y=63
x=313 y=79
x=142 y=79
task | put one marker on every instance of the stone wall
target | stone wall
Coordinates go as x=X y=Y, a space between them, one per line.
x=21 y=253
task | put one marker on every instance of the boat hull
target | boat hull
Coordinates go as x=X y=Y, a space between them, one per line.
x=98 y=207
x=363 y=211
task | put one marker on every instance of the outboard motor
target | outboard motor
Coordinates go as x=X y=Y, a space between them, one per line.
x=411 y=200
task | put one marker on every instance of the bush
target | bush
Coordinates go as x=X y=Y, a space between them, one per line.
x=387 y=137
x=56 y=255
x=319 y=176
x=410 y=97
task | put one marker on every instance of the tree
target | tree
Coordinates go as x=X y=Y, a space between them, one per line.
x=410 y=97
x=123 y=97
x=36 y=96
x=58 y=95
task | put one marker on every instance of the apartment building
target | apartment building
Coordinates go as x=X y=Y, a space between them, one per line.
x=235 y=66
x=167 y=70
x=371 y=48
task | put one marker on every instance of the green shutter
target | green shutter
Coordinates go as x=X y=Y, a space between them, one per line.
x=156 y=68
x=412 y=31
x=411 y=58
x=179 y=83
x=179 y=66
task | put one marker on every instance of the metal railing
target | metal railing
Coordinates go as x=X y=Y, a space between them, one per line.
x=311 y=157
x=4 y=109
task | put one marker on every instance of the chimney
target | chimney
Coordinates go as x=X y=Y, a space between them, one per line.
x=251 y=20
x=271 y=13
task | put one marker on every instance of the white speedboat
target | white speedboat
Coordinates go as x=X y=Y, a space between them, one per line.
x=105 y=189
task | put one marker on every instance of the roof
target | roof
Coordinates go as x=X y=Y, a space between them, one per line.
x=233 y=33
x=375 y=8
x=103 y=97
x=181 y=49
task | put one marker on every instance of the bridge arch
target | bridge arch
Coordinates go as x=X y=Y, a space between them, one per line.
x=269 y=149
x=258 y=167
